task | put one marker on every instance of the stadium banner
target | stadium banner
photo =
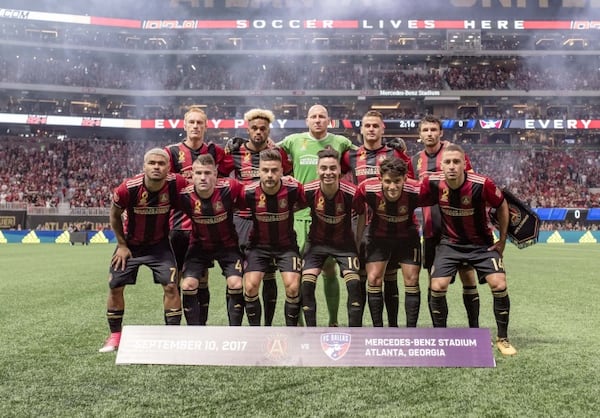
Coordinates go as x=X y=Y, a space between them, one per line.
x=29 y=236
x=306 y=347
x=12 y=219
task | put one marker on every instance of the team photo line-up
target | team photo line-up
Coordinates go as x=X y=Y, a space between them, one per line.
x=301 y=206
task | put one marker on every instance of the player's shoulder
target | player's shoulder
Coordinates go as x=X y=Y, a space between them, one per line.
x=348 y=187
x=290 y=182
x=312 y=185
x=187 y=190
x=372 y=185
x=134 y=181
x=412 y=185
x=477 y=178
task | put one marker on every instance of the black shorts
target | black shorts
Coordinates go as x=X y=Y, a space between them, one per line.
x=286 y=259
x=429 y=245
x=158 y=257
x=243 y=227
x=316 y=255
x=395 y=252
x=449 y=258
x=180 y=241
x=197 y=262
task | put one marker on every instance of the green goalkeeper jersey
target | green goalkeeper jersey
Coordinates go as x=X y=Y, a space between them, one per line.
x=302 y=150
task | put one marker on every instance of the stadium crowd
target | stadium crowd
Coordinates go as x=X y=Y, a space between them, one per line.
x=82 y=172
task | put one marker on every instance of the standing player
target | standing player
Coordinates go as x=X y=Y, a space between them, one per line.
x=361 y=164
x=272 y=201
x=330 y=235
x=467 y=237
x=392 y=236
x=182 y=155
x=143 y=239
x=210 y=203
x=426 y=162
x=246 y=162
x=302 y=149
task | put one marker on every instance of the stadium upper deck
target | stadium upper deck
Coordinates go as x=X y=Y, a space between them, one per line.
x=482 y=64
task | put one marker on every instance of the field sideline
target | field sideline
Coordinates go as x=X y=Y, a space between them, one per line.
x=53 y=308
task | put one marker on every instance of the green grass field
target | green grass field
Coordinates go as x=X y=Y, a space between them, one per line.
x=52 y=304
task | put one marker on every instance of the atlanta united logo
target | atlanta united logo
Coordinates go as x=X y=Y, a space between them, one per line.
x=515 y=215
x=276 y=347
x=335 y=344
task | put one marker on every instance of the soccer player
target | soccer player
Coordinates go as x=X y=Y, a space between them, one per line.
x=392 y=236
x=467 y=237
x=272 y=201
x=361 y=164
x=330 y=235
x=246 y=162
x=182 y=155
x=210 y=202
x=302 y=149
x=425 y=163
x=143 y=239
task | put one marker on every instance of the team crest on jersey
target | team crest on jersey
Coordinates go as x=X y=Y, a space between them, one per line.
x=465 y=200
x=247 y=157
x=164 y=197
x=362 y=155
x=382 y=157
x=262 y=201
x=339 y=208
x=403 y=210
x=381 y=207
x=283 y=203
x=321 y=203
x=143 y=199
x=335 y=345
x=181 y=156
x=219 y=206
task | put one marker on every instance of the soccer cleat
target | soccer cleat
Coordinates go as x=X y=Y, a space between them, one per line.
x=112 y=343
x=505 y=347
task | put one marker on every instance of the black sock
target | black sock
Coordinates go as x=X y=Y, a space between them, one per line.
x=471 y=302
x=253 y=309
x=292 y=310
x=191 y=307
x=412 y=304
x=501 y=312
x=354 y=307
x=362 y=275
x=269 y=296
x=309 y=303
x=375 y=300
x=429 y=303
x=203 y=302
x=235 y=306
x=391 y=297
x=115 y=320
x=438 y=307
x=173 y=316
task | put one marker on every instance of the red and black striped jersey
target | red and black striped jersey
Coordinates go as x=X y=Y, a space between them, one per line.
x=245 y=167
x=465 y=220
x=364 y=163
x=181 y=159
x=146 y=213
x=273 y=215
x=390 y=220
x=423 y=165
x=331 y=217
x=212 y=217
